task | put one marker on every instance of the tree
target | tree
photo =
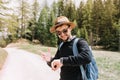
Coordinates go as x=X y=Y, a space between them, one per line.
x=115 y=30
x=116 y=24
x=97 y=19
x=79 y=14
x=86 y=23
x=70 y=10
x=3 y=13
x=54 y=9
x=61 y=7
x=34 y=19
x=41 y=32
x=24 y=16
x=13 y=26
x=51 y=38
x=83 y=19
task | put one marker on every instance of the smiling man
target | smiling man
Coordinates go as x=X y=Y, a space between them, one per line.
x=64 y=57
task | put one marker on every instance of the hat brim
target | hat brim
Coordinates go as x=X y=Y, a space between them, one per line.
x=53 y=28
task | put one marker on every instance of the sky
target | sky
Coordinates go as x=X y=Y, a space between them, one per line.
x=14 y=2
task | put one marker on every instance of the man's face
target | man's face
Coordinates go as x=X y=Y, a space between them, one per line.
x=63 y=32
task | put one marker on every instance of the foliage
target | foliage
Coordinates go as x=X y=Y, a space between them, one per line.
x=24 y=10
x=97 y=21
x=3 y=43
x=3 y=13
x=94 y=22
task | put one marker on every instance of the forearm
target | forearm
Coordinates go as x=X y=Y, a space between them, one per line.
x=76 y=60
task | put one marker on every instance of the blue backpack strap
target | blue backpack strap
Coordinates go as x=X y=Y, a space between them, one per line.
x=60 y=45
x=75 y=52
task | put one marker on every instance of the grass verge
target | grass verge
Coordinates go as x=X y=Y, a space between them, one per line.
x=3 y=56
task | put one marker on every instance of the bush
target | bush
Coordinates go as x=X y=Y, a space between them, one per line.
x=3 y=43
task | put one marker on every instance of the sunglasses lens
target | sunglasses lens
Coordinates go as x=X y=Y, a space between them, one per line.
x=58 y=33
x=63 y=31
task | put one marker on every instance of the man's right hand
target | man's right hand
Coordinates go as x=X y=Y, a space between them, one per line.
x=46 y=55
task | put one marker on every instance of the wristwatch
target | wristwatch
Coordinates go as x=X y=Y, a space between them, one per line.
x=61 y=60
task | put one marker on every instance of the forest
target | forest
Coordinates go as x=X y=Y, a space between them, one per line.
x=97 y=21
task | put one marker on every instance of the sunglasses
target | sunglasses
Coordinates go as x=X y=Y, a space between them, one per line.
x=64 y=31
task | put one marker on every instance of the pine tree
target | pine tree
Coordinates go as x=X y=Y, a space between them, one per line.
x=34 y=20
x=24 y=12
x=70 y=10
x=97 y=20
x=3 y=14
x=61 y=8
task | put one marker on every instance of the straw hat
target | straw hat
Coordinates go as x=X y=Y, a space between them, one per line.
x=60 y=21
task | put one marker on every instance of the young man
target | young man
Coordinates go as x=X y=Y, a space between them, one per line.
x=64 y=57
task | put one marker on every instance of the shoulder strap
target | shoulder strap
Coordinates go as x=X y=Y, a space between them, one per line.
x=75 y=52
x=60 y=45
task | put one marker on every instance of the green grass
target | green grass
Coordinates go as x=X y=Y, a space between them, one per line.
x=109 y=69
x=36 y=48
x=3 y=56
x=108 y=62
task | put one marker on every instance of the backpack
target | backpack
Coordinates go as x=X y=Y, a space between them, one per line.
x=91 y=72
